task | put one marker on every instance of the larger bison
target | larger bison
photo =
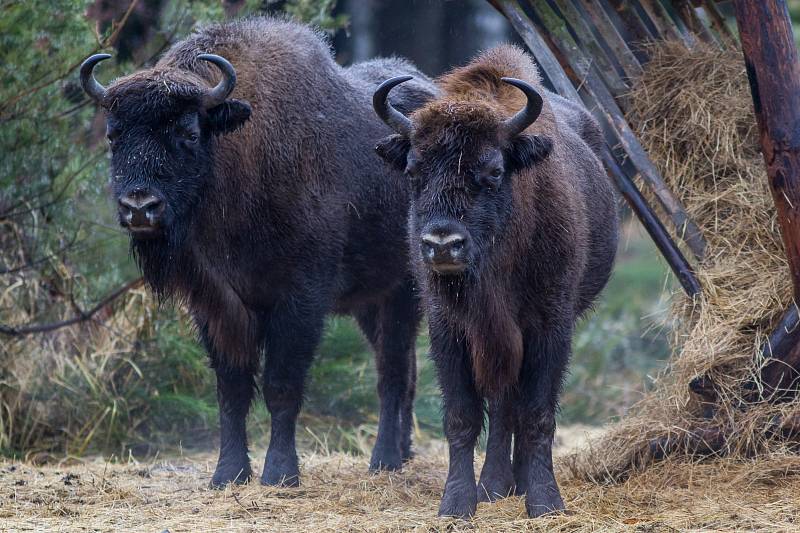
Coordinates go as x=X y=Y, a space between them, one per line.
x=250 y=191
x=513 y=231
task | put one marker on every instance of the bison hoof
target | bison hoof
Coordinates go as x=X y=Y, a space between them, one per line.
x=459 y=502
x=281 y=471
x=281 y=477
x=225 y=475
x=378 y=465
x=280 y=480
x=542 y=501
x=492 y=488
x=408 y=455
x=385 y=461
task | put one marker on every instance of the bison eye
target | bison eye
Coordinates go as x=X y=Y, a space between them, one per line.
x=188 y=137
x=491 y=180
x=111 y=136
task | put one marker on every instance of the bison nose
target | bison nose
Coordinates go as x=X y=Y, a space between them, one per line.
x=444 y=251
x=140 y=211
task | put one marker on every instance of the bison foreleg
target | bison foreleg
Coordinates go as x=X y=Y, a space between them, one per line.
x=546 y=357
x=235 y=391
x=463 y=420
x=292 y=338
x=497 y=478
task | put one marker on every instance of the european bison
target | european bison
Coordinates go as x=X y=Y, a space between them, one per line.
x=513 y=232
x=260 y=203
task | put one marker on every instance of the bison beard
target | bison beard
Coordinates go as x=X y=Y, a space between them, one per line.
x=492 y=335
x=508 y=172
x=495 y=344
x=247 y=181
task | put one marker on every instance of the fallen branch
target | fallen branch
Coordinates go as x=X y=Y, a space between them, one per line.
x=82 y=316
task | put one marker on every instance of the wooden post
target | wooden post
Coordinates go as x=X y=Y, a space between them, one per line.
x=771 y=61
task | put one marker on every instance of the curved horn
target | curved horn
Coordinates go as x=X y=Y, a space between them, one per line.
x=218 y=94
x=391 y=116
x=90 y=85
x=528 y=114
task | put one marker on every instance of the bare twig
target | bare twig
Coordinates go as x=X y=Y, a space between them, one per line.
x=82 y=316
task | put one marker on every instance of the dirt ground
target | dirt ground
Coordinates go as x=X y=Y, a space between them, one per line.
x=338 y=495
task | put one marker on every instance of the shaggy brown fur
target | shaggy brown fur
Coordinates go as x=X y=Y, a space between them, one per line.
x=276 y=213
x=465 y=118
x=539 y=222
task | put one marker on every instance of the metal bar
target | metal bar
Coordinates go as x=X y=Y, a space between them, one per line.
x=675 y=259
x=773 y=69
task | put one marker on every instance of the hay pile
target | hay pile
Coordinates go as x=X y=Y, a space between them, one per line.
x=693 y=112
x=338 y=495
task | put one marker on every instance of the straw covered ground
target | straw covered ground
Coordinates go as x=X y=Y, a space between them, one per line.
x=338 y=495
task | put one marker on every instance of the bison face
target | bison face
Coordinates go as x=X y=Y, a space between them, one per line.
x=161 y=163
x=462 y=190
x=461 y=159
x=161 y=128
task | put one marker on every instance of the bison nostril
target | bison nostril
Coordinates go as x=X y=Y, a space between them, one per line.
x=428 y=250
x=154 y=208
x=139 y=209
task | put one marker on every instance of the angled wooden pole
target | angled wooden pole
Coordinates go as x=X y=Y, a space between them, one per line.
x=771 y=61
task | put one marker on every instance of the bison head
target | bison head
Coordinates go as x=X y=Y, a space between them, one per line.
x=160 y=127
x=460 y=156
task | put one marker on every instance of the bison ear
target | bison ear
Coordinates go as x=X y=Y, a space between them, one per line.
x=394 y=150
x=228 y=116
x=527 y=150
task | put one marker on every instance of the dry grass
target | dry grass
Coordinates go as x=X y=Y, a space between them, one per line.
x=693 y=112
x=338 y=495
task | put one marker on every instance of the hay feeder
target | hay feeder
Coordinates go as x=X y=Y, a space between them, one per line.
x=593 y=52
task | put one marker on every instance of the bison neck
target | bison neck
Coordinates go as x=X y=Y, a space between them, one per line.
x=187 y=274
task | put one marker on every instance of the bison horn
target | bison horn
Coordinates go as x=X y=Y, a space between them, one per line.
x=92 y=87
x=527 y=115
x=391 y=116
x=218 y=94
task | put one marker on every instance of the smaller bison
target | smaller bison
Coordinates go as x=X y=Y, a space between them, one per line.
x=513 y=232
x=242 y=168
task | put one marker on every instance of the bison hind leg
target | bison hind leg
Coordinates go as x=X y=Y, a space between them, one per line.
x=391 y=328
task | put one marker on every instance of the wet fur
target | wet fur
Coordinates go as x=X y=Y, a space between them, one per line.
x=543 y=242
x=547 y=240
x=288 y=216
